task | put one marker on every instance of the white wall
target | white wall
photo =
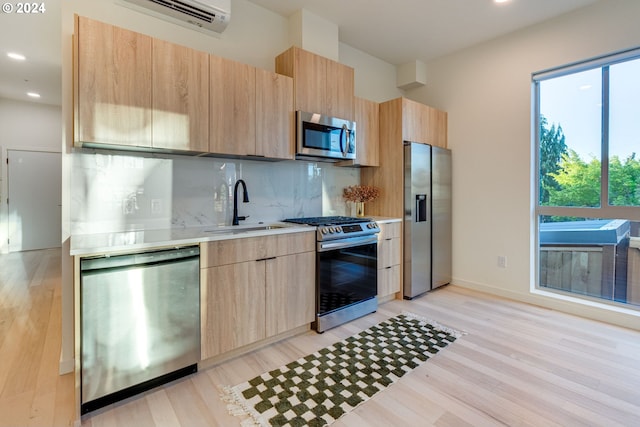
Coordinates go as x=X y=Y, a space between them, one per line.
x=486 y=91
x=26 y=126
x=375 y=79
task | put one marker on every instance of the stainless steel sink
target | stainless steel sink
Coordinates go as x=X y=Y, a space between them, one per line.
x=239 y=229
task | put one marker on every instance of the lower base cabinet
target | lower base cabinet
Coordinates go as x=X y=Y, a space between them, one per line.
x=234 y=311
x=265 y=287
x=389 y=258
x=290 y=292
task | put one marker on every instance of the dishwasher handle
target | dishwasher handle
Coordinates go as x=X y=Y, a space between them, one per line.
x=142 y=258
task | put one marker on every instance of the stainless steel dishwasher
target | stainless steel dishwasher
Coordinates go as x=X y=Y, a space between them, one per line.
x=140 y=324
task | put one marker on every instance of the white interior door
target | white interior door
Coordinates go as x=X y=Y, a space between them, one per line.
x=34 y=184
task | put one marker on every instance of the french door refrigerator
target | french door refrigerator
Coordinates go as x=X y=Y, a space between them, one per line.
x=427 y=219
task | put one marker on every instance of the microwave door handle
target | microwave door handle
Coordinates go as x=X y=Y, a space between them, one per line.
x=344 y=148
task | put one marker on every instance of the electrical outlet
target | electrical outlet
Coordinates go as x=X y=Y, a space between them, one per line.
x=156 y=206
x=502 y=261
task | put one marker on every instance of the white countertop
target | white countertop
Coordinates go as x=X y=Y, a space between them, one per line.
x=136 y=240
x=384 y=219
x=133 y=241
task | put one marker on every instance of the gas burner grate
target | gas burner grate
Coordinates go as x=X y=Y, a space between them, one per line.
x=327 y=220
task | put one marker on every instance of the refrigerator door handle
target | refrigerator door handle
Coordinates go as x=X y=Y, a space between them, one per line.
x=421 y=207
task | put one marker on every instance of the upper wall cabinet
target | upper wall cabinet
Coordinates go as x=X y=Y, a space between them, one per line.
x=180 y=97
x=251 y=111
x=112 y=85
x=232 y=124
x=367 y=132
x=275 y=115
x=421 y=123
x=134 y=91
x=320 y=84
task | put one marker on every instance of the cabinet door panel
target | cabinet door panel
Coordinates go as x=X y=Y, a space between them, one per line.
x=310 y=82
x=415 y=121
x=275 y=115
x=113 y=92
x=232 y=122
x=180 y=97
x=233 y=312
x=339 y=89
x=290 y=292
x=367 y=132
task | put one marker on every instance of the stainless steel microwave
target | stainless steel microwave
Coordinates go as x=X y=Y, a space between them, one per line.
x=324 y=138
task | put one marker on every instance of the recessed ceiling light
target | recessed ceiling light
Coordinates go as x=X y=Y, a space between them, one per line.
x=501 y=1
x=16 y=56
x=33 y=94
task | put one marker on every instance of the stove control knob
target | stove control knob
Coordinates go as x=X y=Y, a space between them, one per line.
x=323 y=230
x=338 y=229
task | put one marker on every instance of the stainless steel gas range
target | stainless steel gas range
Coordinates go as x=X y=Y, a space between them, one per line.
x=346 y=268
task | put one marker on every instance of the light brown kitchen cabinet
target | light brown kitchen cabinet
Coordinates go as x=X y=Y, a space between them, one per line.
x=234 y=307
x=275 y=116
x=367 y=132
x=254 y=288
x=232 y=108
x=137 y=91
x=180 y=109
x=320 y=85
x=389 y=258
x=290 y=292
x=340 y=86
x=113 y=79
x=401 y=120
x=421 y=123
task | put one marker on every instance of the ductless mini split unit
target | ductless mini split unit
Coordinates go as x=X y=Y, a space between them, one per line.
x=202 y=15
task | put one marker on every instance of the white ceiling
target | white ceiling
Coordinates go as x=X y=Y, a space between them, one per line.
x=38 y=37
x=400 y=31
x=397 y=32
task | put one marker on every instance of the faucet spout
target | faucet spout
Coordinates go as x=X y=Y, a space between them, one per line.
x=245 y=199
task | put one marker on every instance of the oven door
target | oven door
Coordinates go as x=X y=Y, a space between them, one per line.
x=347 y=273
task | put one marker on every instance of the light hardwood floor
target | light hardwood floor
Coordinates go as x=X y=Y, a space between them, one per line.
x=518 y=365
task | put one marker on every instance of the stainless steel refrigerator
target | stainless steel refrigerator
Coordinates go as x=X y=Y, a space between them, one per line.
x=427 y=219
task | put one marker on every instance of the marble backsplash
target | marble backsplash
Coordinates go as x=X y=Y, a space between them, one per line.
x=122 y=192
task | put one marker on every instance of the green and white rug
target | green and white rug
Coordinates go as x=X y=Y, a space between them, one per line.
x=317 y=389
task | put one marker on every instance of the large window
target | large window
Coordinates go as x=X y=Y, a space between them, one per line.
x=587 y=119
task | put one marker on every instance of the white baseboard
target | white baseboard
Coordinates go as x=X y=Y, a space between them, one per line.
x=613 y=314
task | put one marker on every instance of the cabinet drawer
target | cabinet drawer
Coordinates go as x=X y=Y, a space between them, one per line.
x=231 y=251
x=388 y=253
x=390 y=230
x=295 y=243
x=388 y=280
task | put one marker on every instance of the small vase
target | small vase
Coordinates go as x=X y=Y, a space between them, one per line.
x=359 y=209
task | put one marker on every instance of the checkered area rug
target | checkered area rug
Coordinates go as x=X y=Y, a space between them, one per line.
x=317 y=389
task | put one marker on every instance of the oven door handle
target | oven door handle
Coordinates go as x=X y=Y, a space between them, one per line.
x=346 y=243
